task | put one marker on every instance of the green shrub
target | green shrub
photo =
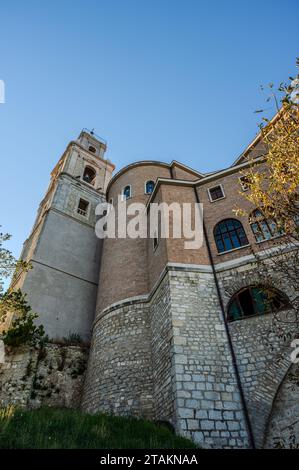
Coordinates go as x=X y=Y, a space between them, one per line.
x=73 y=339
x=22 y=329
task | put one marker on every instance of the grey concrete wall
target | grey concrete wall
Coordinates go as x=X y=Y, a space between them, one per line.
x=73 y=249
x=62 y=286
x=65 y=255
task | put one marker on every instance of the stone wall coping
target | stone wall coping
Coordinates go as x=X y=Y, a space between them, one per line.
x=283 y=248
x=147 y=297
x=196 y=268
x=204 y=179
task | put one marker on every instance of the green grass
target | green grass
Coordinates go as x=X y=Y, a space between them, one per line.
x=51 y=428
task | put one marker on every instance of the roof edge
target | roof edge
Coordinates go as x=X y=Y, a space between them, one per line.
x=253 y=143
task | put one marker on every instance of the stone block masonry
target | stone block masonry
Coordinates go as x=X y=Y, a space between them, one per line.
x=52 y=376
x=262 y=347
x=119 y=376
x=208 y=406
x=162 y=360
x=283 y=429
x=167 y=357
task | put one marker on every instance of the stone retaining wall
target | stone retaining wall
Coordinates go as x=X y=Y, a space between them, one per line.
x=52 y=376
x=167 y=357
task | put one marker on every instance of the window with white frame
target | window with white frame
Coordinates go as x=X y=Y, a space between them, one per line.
x=127 y=192
x=149 y=187
x=216 y=193
x=229 y=234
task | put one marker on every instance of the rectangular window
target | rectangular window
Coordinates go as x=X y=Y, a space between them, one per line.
x=82 y=207
x=245 y=182
x=216 y=193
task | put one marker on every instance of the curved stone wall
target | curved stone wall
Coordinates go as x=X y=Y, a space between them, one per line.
x=119 y=375
x=167 y=356
x=130 y=369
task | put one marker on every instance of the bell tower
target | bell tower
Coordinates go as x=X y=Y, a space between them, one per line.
x=62 y=248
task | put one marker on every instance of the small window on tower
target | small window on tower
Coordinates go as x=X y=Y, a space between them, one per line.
x=92 y=149
x=216 y=193
x=89 y=175
x=83 y=207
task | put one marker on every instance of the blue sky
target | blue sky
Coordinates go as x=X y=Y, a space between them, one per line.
x=158 y=79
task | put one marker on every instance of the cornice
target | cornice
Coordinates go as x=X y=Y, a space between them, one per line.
x=204 y=179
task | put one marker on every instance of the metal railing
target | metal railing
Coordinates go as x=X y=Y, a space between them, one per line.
x=81 y=211
x=93 y=134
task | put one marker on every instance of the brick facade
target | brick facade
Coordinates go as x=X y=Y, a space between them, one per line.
x=217 y=394
x=161 y=345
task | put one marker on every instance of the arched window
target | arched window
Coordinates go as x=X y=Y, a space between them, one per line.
x=127 y=192
x=256 y=300
x=89 y=175
x=263 y=228
x=149 y=187
x=229 y=234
